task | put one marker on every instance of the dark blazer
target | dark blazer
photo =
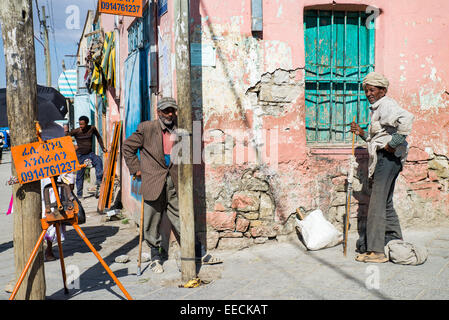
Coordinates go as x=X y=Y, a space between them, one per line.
x=148 y=139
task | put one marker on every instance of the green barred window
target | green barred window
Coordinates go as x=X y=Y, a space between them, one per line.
x=339 y=52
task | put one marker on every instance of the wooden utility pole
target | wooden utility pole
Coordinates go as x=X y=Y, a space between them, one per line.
x=185 y=167
x=17 y=31
x=47 y=47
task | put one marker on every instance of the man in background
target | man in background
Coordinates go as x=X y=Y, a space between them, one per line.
x=84 y=140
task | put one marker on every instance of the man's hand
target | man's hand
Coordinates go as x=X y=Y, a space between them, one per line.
x=105 y=150
x=137 y=175
x=389 y=149
x=355 y=128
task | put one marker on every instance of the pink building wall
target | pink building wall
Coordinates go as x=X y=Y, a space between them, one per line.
x=409 y=51
x=116 y=100
x=246 y=202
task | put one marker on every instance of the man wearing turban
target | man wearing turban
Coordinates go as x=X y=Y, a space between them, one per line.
x=387 y=148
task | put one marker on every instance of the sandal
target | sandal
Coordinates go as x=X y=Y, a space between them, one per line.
x=374 y=257
x=156 y=267
x=209 y=259
x=361 y=257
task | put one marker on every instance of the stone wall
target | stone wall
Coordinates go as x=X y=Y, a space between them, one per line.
x=423 y=193
x=244 y=213
x=276 y=90
x=249 y=207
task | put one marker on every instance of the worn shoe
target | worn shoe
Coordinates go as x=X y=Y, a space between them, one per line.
x=373 y=257
x=156 y=267
x=210 y=259
x=361 y=257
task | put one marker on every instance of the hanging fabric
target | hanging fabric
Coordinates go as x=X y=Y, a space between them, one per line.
x=103 y=75
x=108 y=61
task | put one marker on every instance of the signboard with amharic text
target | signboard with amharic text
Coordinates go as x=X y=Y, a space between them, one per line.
x=36 y=161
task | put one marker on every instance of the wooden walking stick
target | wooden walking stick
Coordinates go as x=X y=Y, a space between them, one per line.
x=140 y=239
x=349 y=192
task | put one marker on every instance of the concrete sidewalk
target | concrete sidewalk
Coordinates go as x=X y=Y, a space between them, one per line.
x=274 y=270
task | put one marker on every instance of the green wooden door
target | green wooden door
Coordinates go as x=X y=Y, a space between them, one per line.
x=339 y=51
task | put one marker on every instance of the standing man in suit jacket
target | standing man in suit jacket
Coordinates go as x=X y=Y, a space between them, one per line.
x=155 y=140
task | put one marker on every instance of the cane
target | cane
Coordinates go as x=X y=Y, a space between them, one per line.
x=349 y=194
x=140 y=239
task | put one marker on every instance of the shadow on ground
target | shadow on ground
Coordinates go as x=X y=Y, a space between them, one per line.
x=73 y=242
x=301 y=245
x=95 y=278
x=6 y=245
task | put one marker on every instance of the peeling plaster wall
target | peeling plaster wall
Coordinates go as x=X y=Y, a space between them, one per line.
x=242 y=196
x=414 y=57
x=258 y=84
x=166 y=53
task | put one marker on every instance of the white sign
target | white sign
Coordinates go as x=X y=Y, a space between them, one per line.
x=202 y=55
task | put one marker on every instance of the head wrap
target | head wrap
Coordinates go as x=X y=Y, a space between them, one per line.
x=376 y=79
x=167 y=102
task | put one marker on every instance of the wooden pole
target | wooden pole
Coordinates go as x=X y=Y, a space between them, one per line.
x=349 y=194
x=139 y=261
x=185 y=167
x=47 y=48
x=18 y=40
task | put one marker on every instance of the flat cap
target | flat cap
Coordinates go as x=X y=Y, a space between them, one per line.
x=167 y=102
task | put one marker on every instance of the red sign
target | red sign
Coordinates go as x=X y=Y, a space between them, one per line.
x=121 y=7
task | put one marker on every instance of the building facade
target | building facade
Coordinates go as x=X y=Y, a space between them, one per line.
x=275 y=85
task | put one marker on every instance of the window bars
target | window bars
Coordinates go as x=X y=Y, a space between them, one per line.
x=339 y=47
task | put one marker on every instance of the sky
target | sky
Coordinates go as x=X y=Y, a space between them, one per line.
x=65 y=19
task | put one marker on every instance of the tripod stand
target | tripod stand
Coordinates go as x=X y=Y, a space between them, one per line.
x=65 y=212
x=67 y=216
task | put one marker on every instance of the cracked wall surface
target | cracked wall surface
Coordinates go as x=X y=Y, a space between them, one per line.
x=257 y=85
x=246 y=188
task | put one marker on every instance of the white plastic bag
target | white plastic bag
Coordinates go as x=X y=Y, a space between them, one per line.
x=317 y=232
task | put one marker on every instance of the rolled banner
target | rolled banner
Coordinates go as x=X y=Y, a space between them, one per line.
x=10 y=209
